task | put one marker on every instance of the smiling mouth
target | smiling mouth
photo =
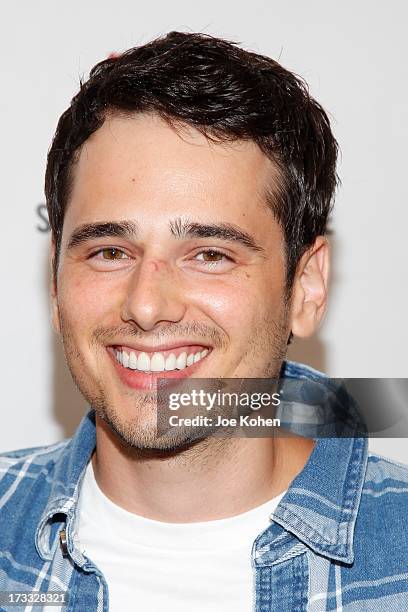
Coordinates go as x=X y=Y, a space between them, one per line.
x=170 y=360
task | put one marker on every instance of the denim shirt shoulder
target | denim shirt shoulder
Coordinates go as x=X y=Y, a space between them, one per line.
x=43 y=482
x=337 y=539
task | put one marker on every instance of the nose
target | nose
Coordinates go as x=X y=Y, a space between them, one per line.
x=153 y=296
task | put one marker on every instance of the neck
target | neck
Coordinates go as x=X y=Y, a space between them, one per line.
x=213 y=479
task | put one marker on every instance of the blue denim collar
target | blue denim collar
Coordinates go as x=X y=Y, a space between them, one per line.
x=320 y=506
x=328 y=488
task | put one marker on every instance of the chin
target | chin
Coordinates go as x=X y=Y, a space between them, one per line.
x=140 y=434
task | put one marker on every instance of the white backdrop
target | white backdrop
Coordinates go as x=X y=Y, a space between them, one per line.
x=352 y=54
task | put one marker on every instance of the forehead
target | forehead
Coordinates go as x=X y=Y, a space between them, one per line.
x=140 y=166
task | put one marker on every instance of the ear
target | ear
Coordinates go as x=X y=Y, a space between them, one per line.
x=309 y=295
x=55 y=320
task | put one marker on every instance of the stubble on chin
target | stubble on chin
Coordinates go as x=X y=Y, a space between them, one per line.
x=138 y=432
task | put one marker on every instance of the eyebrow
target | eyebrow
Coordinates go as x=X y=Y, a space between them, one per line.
x=89 y=231
x=180 y=228
x=184 y=228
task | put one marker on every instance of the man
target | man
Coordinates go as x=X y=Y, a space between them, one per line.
x=188 y=188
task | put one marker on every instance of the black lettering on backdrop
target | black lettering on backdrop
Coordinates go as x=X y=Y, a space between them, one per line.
x=41 y=210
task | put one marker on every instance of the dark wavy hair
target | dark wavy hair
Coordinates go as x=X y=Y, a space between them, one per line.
x=227 y=93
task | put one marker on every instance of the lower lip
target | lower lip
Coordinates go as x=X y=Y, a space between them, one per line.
x=149 y=380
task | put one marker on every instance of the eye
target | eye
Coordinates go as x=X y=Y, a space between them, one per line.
x=211 y=256
x=110 y=254
x=213 y=260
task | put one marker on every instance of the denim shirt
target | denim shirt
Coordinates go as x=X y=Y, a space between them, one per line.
x=338 y=539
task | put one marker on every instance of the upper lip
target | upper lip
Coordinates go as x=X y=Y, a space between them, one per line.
x=162 y=347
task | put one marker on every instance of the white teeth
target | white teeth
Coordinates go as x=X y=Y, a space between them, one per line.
x=181 y=361
x=133 y=361
x=143 y=362
x=171 y=362
x=157 y=363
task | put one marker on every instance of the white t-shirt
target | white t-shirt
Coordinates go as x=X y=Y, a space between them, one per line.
x=177 y=567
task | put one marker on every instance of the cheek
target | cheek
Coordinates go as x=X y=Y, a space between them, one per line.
x=85 y=302
x=237 y=305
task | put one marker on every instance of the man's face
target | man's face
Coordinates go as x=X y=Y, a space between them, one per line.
x=181 y=257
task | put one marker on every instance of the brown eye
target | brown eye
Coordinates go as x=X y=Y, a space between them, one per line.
x=210 y=256
x=112 y=253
